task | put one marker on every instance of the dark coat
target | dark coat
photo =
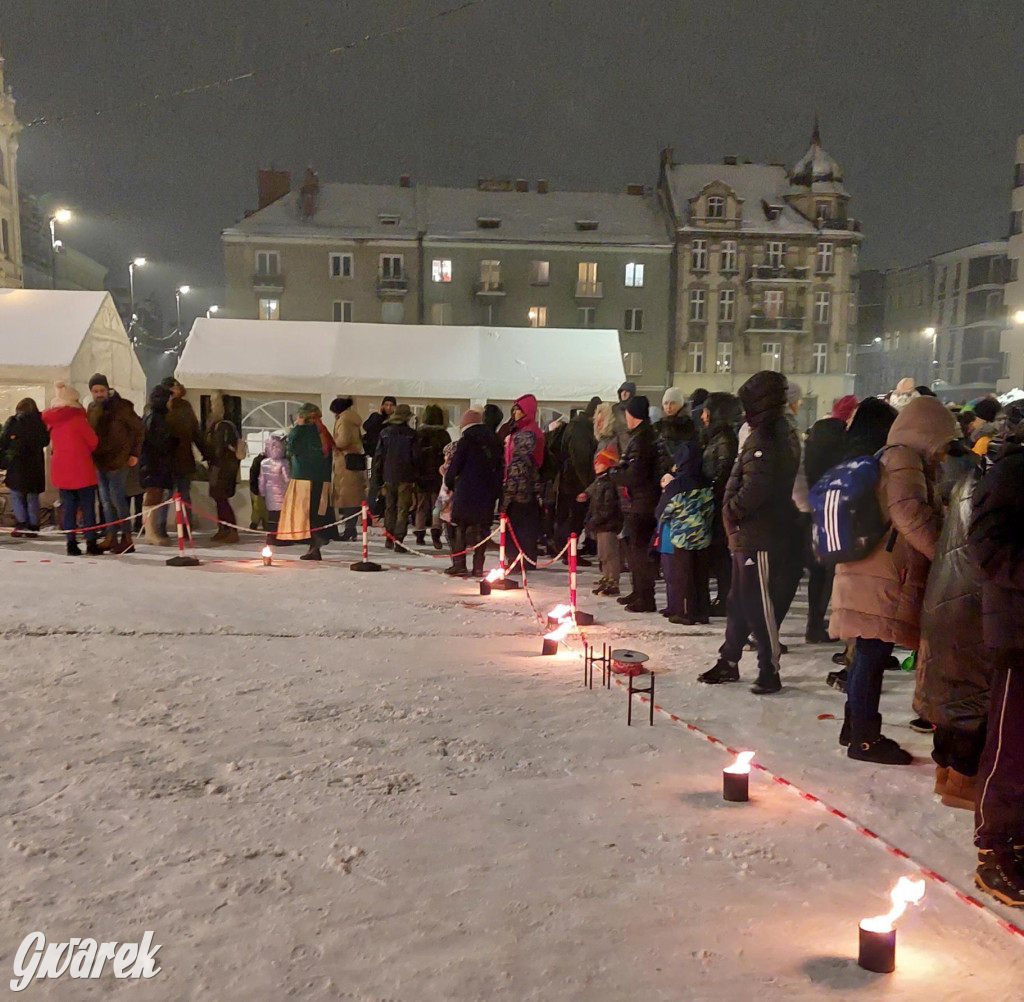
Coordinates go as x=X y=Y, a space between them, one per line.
x=725 y=414
x=954 y=667
x=639 y=472
x=119 y=430
x=372 y=427
x=183 y=426
x=159 y=448
x=306 y=458
x=578 y=446
x=219 y=448
x=474 y=476
x=996 y=543
x=824 y=448
x=605 y=512
x=21 y=453
x=869 y=428
x=673 y=431
x=431 y=438
x=397 y=458
x=757 y=508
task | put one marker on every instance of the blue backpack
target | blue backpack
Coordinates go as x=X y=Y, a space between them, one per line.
x=848 y=522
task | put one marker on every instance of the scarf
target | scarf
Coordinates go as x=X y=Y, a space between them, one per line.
x=528 y=422
x=326 y=439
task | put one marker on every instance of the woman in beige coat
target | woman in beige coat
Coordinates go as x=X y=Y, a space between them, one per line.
x=349 y=481
x=878 y=599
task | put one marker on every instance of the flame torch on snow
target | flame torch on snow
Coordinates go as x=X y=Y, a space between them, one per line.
x=736 y=778
x=878 y=934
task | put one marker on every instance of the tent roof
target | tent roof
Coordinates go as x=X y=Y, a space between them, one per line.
x=414 y=361
x=45 y=329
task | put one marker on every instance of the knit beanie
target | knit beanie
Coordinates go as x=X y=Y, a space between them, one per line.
x=793 y=393
x=470 y=418
x=673 y=395
x=843 y=408
x=607 y=457
x=987 y=408
x=340 y=404
x=592 y=407
x=639 y=407
x=98 y=379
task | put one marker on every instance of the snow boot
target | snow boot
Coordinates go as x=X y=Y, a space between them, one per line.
x=921 y=725
x=230 y=537
x=435 y=538
x=767 y=684
x=124 y=544
x=33 y=531
x=1000 y=873
x=723 y=671
x=93 y=548
x=421 y=538
x=642 y=605
x=682 y=621
x=73 y=550
x=313 y=553
x=109 y=542
x=389 y=543
x=837 y=679
x=956 y=790
x=868 y=745
x=399 y=548
x=626 y=599
x=839 y=658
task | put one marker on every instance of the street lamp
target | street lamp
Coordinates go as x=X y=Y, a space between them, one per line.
x=182 y=290
x=211 y=311
x=59 y=216
x=139 y=262
x=1018 y=317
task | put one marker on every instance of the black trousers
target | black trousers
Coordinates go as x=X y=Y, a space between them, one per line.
x=720 y=564
x=999 y=817
x=752 y=613
x=524 y=520
x=570 y=517
x=819 y=594
x=465 y=536
x=788 y=561
x=686 y=582
x=639 y=530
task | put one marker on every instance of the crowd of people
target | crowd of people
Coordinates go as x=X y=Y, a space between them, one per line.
x=722 y=488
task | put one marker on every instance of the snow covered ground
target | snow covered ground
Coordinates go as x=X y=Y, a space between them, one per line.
x=318 y=785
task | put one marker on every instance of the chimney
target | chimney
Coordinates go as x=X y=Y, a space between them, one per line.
x=729 y=161
x=634 y=189
x=542 y=187
x=272 y=185
x=405 y=181
x=308 y=193
x=522 y=184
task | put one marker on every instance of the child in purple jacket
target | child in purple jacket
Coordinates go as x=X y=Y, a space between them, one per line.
x=274 y=477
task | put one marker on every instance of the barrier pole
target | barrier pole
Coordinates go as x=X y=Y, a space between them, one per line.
x=366 y=564
x=504 y=583
x=578 y=618
x=502 y=523
x=181 y=560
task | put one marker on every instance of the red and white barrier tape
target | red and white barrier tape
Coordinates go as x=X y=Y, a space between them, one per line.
x=56 y=531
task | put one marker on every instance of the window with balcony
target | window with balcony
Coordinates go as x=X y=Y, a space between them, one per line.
x=586 y=317
x=774 y=301
x=634 y=321
x=540 y=272
x=730 y=259
x=633 y=363
x=441 y=314
x=771 y=356
x=723 y=361
x=339 y=265
x=698 y=304
x=490 y=275
x=270 y=309
x=824 y=258
x=820 y=358
x=440 y=270
x=696 y=353
x=268 y=263
x=775 y=253
x=716 y=207
x=726 y=305
x=342 y=313
x=538 y=316
x=822 y=307
x=391 y=267
x=587 y=284
x=392 y=312
x=634 y=275
x=699 y=255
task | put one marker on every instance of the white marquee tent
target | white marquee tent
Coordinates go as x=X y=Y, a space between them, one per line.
x=456 y=366
x=46 y=336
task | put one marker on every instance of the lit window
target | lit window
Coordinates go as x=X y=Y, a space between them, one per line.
x=824 y=258
x=699 y=255
x=270 y=309
x=490 y=275
x=698 y=300
x=716 y=207
x=723 y=363
x=441 y=270
x=340 y=265
x=696 y=353
x=268 y=263
x=587 y=317
x=342 y=312
x=821 y=359
x=634 y=321
x=634 y=275
x=587 y=284
x=540 y=272
x=729 y=256
x=771 y=356
x=538 y=316
x=727 y=305
x=776 y=254
x=633 y=363
x=822 y=307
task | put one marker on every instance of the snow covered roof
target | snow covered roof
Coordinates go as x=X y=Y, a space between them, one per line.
x=756 y=185
x=410 y=361
x=817 y=170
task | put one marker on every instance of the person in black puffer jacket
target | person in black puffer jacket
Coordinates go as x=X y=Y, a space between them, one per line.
x=156 y=464
x=431 y=438
x=22 y=441
x=638 y=478
x=722 y=415
x=395 y=470
x=757 y=510
x=996 y=544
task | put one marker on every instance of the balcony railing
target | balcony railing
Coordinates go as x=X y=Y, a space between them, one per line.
x=761 y=324
x=392 y=285
x=590 y=290
x=490 y=288
x=262 y=282
x=778 y=273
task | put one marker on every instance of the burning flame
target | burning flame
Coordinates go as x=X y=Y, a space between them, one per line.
x=741 y=767
x=559 y=612
x=561 y=632
x=495 y=575
x=908 y=891
x=267 y=552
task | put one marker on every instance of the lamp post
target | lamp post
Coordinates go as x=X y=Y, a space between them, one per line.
x=930 y=332
x=139 y=262
x=60 y=216
x=212 y=311
x=182 y=290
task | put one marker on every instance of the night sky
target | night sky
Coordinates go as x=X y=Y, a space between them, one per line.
x=920 y=101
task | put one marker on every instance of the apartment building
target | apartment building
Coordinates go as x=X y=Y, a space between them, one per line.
x=1012 y=342
x=11 y=275
x=766 y=273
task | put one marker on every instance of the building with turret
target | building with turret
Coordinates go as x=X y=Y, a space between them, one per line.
x=11 y=276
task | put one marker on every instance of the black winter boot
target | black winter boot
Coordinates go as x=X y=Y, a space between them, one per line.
x=435 y=538
x=1000 y=873
x=767 y=684
x=93 y=548
x=723 y=671
x=868 y=745
x=421 y=538
x=72 y=548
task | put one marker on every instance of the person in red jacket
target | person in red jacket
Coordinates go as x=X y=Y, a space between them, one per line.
x=72 y=470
